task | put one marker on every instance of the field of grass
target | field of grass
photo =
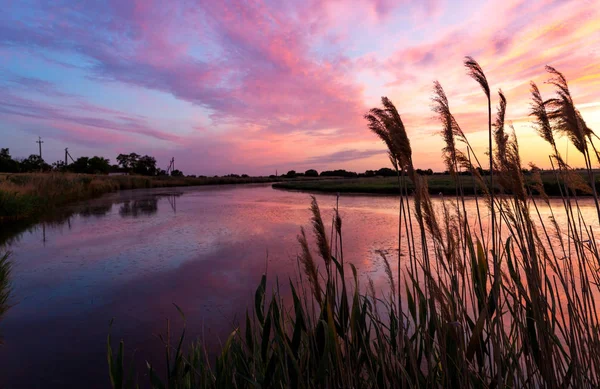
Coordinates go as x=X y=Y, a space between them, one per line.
x=443 y=183
x=32 y=194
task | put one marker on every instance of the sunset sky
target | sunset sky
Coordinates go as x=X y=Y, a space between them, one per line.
x=259 y=85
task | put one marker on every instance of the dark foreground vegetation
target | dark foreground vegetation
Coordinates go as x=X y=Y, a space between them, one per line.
x=437 y=184
x=28 y=195
x=499 y=298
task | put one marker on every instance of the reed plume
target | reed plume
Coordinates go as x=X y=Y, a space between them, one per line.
x=507 y=159
x=565 y=117
x=476 y=72
x=539 y=112
x=567 y=120
x=320 y=232
x=450 y=129
x=388 y=126
x=499 y=133
x=309 y=265
x=388 y=272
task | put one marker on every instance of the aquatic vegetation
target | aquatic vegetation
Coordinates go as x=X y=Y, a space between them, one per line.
x=482 y=300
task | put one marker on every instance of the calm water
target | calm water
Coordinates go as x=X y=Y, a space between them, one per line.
x=131 y=255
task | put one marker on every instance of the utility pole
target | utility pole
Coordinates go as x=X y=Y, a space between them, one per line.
x=40 y=141
x=67 y=154
x=171 y=165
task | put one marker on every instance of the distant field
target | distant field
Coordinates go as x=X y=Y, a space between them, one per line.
x=389 y=185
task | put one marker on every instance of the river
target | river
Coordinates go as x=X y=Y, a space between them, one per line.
x=131 y=255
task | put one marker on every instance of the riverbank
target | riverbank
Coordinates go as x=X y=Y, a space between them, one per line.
x=439 y=183
x=24 y=196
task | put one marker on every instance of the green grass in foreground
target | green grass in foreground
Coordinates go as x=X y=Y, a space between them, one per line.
x=28 y=195
x=443 y=183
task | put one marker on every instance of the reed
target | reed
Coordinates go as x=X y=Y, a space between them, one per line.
x=506 y=301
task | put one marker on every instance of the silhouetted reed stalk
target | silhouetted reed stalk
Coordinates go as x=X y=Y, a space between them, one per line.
x=510 y=302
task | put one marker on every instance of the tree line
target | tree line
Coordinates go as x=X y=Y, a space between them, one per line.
x=383 y=172
x=132 y=163
x=145 y=165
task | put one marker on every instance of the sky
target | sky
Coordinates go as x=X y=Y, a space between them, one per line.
x=251 y=87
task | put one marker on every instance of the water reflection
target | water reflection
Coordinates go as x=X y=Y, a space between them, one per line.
x=173 y=202
x=97 y=210
x=131 y=255
x=137 y=208
x=10 y=235
x=130 y=205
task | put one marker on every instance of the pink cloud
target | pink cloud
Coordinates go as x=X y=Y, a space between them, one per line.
x=115 y=121
x=290 y=81
x=513 y=42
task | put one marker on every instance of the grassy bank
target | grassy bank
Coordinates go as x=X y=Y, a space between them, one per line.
x=443 y=183
x=27 y=195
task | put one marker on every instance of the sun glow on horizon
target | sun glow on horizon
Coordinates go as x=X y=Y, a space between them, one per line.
x=250 y=87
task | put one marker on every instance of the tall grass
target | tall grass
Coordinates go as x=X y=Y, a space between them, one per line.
x=507 y=300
